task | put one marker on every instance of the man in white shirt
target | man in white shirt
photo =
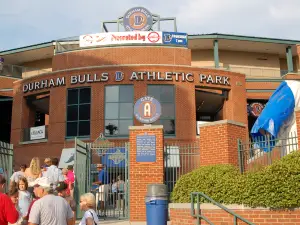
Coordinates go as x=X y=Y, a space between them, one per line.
x=49 y=209
x=54 y=174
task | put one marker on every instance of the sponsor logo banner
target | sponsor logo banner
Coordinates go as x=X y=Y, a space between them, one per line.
x=118 y=38
x=37 y=133
x=175 y=38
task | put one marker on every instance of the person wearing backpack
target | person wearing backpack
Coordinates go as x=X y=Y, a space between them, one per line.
x=88 y=204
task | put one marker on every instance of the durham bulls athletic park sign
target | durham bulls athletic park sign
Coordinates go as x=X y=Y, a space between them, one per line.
x=120 y=76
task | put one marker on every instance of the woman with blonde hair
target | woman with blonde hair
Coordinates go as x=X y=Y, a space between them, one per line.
x=88 y=204
x=33 y=172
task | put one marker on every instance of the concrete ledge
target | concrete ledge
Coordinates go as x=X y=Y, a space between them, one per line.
x=222 y=122
x=146 y=127
x=212 y=206
x=33 y=142
x=297 y=109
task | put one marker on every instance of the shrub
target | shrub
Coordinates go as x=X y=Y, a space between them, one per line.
x=220 y=182
x=275 y=186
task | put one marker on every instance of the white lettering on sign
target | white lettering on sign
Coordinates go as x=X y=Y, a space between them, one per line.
x=134 y=76
x=209 y=79
x=147 y=110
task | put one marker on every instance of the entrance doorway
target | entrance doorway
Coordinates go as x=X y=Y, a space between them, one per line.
x=209 y=105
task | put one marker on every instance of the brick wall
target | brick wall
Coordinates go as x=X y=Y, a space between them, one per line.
x=143 y=173
x=122 y=55
x=180 y=214
x=218 y=142
x=185 y=104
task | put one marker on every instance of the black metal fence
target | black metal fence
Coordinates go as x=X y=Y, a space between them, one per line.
x=180 y=159
x=6 y=160
x=262 y=151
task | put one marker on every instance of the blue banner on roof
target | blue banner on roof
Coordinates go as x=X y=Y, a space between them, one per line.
x=175 y=38
x=114 y=157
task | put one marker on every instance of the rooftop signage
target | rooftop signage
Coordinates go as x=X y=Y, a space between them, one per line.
x=138 y=19
x=121 y=76
x=138 y=37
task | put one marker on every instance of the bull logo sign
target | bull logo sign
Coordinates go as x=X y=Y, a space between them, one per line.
x=147 y=110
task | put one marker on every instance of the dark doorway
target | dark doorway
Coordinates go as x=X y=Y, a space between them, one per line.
x=5 y=118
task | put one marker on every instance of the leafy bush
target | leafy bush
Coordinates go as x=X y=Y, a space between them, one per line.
x=220 y=182
x=275 y=186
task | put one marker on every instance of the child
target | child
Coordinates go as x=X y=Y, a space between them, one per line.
x=88 y=204
x=14 y=196
x=24 y=197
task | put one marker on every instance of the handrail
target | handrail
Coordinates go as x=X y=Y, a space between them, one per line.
x=199 y=216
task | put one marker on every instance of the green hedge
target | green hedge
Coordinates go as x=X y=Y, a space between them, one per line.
x=275 y=186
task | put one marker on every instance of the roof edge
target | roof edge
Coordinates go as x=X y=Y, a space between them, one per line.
x=27 y=48
x=244 y=38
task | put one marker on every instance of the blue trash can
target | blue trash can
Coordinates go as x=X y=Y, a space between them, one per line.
x=157 y=204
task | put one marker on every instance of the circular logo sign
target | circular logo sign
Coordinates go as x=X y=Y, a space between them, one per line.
x=147 y=110
x=138 y=18
x=256 y=109
x=153 y=37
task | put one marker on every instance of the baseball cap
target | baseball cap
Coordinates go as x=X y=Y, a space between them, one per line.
x=42 y=181
x=61 y=186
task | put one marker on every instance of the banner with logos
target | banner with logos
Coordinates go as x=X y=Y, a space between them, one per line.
x=119 y=38
x=37 y=133
x=175 y=38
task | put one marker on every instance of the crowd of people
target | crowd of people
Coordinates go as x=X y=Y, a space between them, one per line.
x=43 y=195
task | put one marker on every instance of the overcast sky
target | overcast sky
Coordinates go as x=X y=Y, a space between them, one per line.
x=26 y=22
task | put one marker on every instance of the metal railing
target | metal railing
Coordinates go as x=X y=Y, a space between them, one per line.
x=27 y=136
x=20 y=71
x=6 y=161
x=180 y=159
x=195 y=199
x=262 y=151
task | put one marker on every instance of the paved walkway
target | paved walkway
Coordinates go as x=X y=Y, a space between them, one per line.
x=110 y=222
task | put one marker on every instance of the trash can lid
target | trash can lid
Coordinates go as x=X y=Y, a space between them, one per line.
x=157 y=190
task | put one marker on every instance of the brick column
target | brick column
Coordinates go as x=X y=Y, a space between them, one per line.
x=143 y=173
x=218 y=142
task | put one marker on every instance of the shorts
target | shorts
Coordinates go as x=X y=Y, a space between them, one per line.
x=102 y=195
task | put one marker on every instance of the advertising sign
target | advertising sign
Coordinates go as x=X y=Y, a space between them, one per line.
x=138 y=18
x=67 y=157
x=146 y=148
x=147 y=110
x=37 y=133
x=114 y=157
x=119 y=38
x=256 y=108
x=175 y=38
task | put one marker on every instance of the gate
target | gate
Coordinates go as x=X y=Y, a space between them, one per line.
x=6 y=161
x=180 y=159
x=82 y=175
x=113 y=197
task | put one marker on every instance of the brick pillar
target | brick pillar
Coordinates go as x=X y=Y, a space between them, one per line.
x=143 y=173
x=218 y=142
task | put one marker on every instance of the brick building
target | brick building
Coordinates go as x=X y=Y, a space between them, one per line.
x=79 y=92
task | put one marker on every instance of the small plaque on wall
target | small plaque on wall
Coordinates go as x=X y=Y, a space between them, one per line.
x=146 y=148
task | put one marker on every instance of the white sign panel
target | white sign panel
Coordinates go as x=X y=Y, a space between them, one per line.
x=119 y=38
x=37 y=133
x=67 y=157
x=173 y=157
